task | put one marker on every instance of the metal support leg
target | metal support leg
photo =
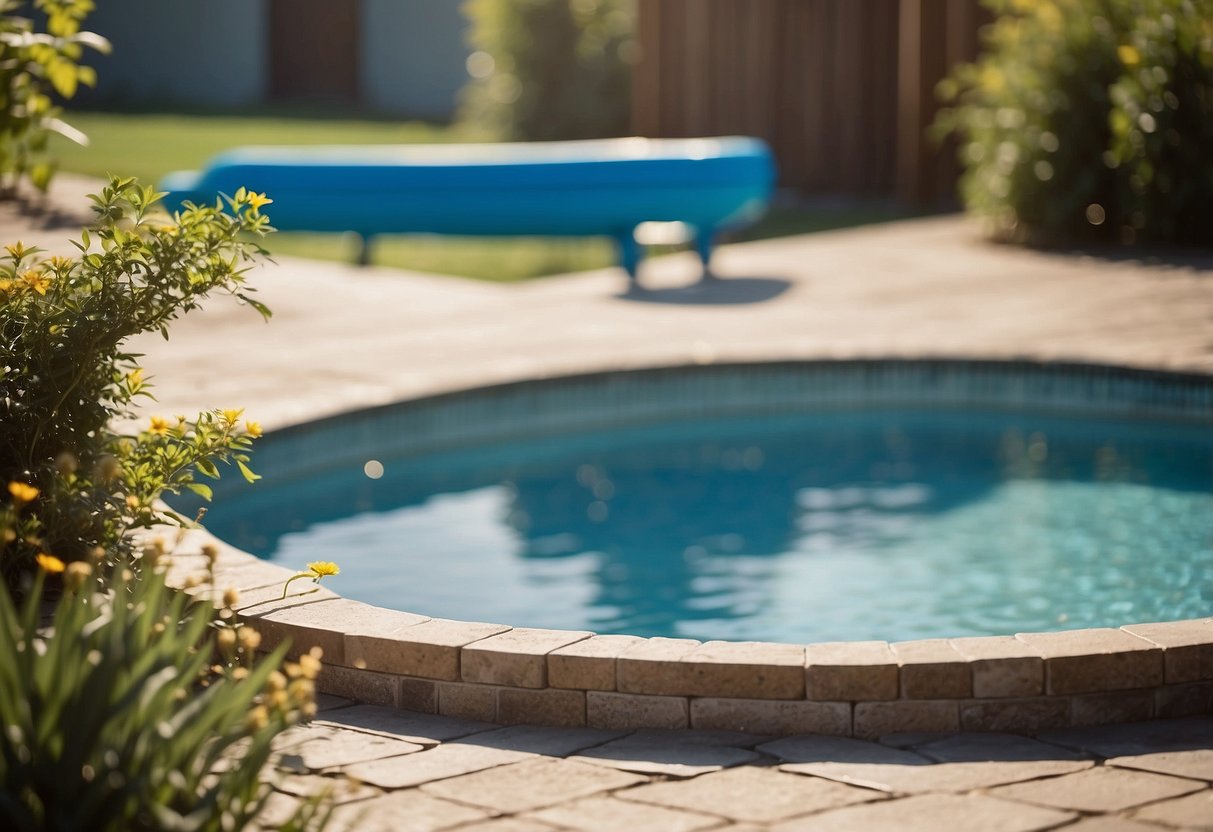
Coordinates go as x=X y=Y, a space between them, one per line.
x=629 y=255
x=703 y=246
x=364 y=249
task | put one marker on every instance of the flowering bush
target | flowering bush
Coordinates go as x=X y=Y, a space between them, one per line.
x=77 y=483
x=1090 y=120
x=35 y=64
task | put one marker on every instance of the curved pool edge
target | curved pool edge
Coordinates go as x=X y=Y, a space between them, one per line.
x=1021 y=684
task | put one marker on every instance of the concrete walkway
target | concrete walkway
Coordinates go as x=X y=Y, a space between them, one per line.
x=344 y=338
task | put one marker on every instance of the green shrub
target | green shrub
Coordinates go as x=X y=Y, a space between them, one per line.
x=33 y=65
x=66 y=380
x=1090 y=121
x=550 y=69
x=115 y=719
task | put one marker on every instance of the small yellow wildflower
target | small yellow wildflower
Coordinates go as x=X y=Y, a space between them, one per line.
x=256 y=201
x=309 y=666
x=257 y=719
x=230 y=416
x=6 y=286
x=316 y=570
x=159 y=425
x=323 y=568
x=250 y=639
x=134 y=379
x=49 y=563
x=22 y=493
x=253 y=428
x=226 y=641
x=231 y=597
x=211 y=552
x=1128 y=54
x=37 y=281
x=18 y=250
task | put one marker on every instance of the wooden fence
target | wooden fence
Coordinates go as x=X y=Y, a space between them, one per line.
x=843 y=90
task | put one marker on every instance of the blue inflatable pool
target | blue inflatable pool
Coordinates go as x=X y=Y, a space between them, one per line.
x=604 y=187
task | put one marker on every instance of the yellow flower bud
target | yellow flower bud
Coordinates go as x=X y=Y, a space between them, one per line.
x=231 y=597
x=76 y=574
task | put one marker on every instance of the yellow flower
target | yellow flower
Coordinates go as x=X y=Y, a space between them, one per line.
x=22 y=493
x=6 y=285
x=134 y=378
x=37 y=281
x=49 y=563
x=230 y=416
x=256 y=200
x=159 y=425
x=18 y=250
x=1129 y=56
x=253 y=428
x=323 y=568
x=231 y=597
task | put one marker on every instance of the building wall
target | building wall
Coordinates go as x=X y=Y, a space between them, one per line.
x=414 y=56
x=210 y=53
x=216 y=53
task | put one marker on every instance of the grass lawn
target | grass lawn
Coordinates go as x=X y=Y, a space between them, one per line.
x=149 y=145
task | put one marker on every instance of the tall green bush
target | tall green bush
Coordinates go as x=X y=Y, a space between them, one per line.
x=1090 y=121
x=33 y=65
x=550 y=69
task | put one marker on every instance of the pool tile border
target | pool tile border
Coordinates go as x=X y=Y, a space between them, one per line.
x=1023 y=684
x=1020 y=684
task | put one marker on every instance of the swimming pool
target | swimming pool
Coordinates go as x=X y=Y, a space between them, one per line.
x=795 y=503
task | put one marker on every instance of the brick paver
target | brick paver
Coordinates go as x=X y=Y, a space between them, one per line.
x=752 y=794
x=1194 y=811
x=932 y=813
x=1099 y=790
x=532 y=784
x=608 y=814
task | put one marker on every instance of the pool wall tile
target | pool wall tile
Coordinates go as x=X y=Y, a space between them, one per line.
x=1100 y=659
x=1002 y=666
x=1193 y=699
x=517 y=657
x=745 y=670
x=768 y=716
x=430 y=649
x=932 y=669
x=475 y=702
x=875 y=719
x=655 y=666
x=1015 y=716
x=420 y=695
x=629 y=712
x=1187 y=647
x=359 y=685
x=850 y=671
x=521 y=706
x=589 y=664
x=1106 y=708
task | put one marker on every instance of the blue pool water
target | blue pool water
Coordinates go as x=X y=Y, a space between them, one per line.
x=805 y=526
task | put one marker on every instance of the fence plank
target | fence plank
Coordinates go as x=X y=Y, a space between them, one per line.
x=841 y=89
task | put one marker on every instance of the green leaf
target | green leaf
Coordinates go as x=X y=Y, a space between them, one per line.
x=201 y=489
x=247 y=472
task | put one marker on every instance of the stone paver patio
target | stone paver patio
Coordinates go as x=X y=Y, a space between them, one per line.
x=344 y=338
